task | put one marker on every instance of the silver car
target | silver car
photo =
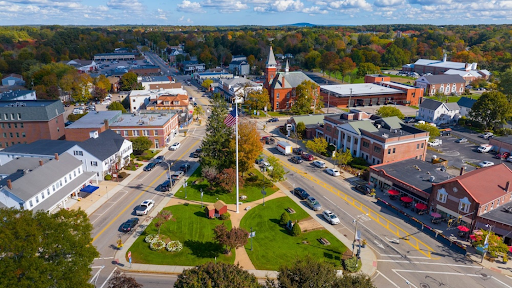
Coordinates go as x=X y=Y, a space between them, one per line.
x=313 y=204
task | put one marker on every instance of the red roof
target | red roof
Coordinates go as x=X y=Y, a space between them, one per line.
x=485 y=184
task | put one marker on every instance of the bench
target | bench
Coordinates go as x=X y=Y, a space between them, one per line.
x=324 y=241
x=247 y=208
x=290 y=210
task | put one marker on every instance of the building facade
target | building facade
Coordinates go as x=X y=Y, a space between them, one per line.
x=443 y=84
x=97 y=121
x=170 y=102
x=438 y=112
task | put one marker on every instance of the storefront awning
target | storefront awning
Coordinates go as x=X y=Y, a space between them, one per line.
x=89 y=189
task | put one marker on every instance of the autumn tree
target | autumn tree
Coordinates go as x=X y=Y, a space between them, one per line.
x=390 y=111
x=257 y=99
x=219 y=275
x=317 y=145
x=367 y=68
x=41 y=249
x=198 y=111
x=210 y=173
x=98 y=93
x=328 y=61
x=277 y=173
x=491 y=109
x=129 y=82
x=346 y=66
x=301 y=129
x=116 y=106
x=162 y=217
x=227 y=179
x=431 y=129
x=102 y=82
x=306 y=93
x=249 y=145
x=207 y=84
x=121 y=280
x=232 y=239
x=342 y=157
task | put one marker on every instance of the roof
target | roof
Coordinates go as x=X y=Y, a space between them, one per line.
x=238 y=62
x=499 y=214
x=485 y=184
x=393 y=122
x=504 y=139
x=21 y=163
x=165 y=86
x=485 y=72
x=12 y=87
x=33 y=110
x=466 y=102
x=219 y=205
x=212 y=73
x=155 y=79
x=291 y=79
x=440 y=63
x=271 y=60
x=310 y=119
x=104 y=146
x=463 y=73
x=26 y=185
x=13 y=75
x=113 y=54
x=415 y=173
x=430 y=104
x=235 y=81
x=95 y=119
x=143 y=119
x=40 y=147
x=452 y=106
x=444 y=78
x=78 y=62
x=362 y=125
x=13 y=94
x=347 y=90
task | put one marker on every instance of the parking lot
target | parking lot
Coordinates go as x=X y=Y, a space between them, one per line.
x=459 y=154
x=108 y=67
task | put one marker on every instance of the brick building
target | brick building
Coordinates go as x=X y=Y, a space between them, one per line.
x=29 y=121
x=281 y=85
x=93 y=121
x=144 y=70
x=501 y=144
x=444 y=84
x=377 y=90
x=169 y=102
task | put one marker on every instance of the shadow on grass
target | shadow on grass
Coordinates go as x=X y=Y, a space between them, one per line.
x=281 y=228
x=204 y=249
x=332 y=256
x=201 y=214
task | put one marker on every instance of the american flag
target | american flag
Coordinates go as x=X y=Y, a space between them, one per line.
x=231 y=118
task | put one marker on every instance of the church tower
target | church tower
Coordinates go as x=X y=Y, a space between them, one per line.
x=270 y=68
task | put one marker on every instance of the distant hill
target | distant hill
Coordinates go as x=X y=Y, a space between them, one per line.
x=302 y=25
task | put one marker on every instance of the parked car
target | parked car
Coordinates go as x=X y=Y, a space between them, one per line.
x=185 y=167
x=175 y=146
x=333 y=172
x=129 y=224
x=319 y=164
x=68 y=123
x=301 y=193
x=307 y=157
x=296 y=159
x=197 y=153
x=435 y=142
x=486 y=135
x=298 y=151
x=484 y=148
x=461 y=140
x=509 y=159
x=266 y=165
x=273 y=120
x=177 y=175
x=159 y=159
x=145 y=206
x=164 y=187
x=270 y=141
x=503 y=155
x=313 y=204
x=149 y=167
x=259 y=161
x=331 y=217
x=485 y=164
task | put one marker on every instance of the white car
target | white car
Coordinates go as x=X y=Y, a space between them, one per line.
x=175 y=146
x=509 y=159
x=319 y=164
x=144 y=207
x=485 y=164
x=435 y=142
x=333 y=172
x=486 y=135
x=267 y=165
x=106 y=102
x=331 y=217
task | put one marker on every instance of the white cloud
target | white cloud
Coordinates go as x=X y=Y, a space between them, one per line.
x=161 y=14
x=127 y=5
x=386 y=3
x=190 y=7
x=281 y=6
x=350 y=4
x=183 y=20
x=314 y=10
x=225 y=6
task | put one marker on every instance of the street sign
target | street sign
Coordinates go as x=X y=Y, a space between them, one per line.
x=185 y=184
x=252 y=234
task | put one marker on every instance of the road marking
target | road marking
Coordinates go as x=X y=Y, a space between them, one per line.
x=140 y=195
x=97 y=273
x=415 y=257
x=392 y=227
x=406 y=281
x=99 y=215
x=436 y=272
x=115 y=268
x=429 y=263
x=501 y=281
x=379 y=273
x=379 y=245
x=104 y=258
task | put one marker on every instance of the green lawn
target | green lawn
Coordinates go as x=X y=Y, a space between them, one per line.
x=277 y=113
x=273 y=246
x=251 y=189
x=190 y=226
x=453 y=98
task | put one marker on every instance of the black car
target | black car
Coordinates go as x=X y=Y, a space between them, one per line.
x=159 y=159
x=185 y=167
x=298 y=151
x=197 y=153
x=273 y=120
x=301 y=193
x=150 y=166
x=164 y=187
x=270 y=141
x=67 y=123
x=128 y=225
x=296 y=159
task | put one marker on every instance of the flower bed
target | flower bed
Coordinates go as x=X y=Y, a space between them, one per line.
x=157 y=245
x=151 y=238
x=174 y=246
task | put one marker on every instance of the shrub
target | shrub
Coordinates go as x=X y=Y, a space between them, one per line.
x=351 y=264
x=174 y=246
x=505 y=258
x=150 y=238
x=225 y=216
x=284 y=218
x=108 y=177
x=157 y=245
x=123 y=174
x=252 y=179
x=296 y=231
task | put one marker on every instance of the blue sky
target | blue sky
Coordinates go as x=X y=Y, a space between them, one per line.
x=253 y=12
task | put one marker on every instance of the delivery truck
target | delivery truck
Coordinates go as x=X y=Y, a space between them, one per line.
x=284 y=147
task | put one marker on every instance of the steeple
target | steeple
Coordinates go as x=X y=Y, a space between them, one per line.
x=287 y=67
x=271 y=60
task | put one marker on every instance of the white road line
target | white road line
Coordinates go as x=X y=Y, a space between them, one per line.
x=104 y=258
x=436 y=272
x=502 y=282
x=415 y=257
x=95 y=276
x=113 y=203
x=150 y=274
x=404 y=278
x=429 y=263
x=115 y=268
x=379 y=273
x=96 y=267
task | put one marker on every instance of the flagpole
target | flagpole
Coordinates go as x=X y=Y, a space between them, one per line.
x=236 y=137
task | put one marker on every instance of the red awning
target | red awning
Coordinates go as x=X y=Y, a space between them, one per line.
x=421 y=206
x=463 y=228
x=472 y=237
x=393 y=192
x=406 y=199
x=510 y=248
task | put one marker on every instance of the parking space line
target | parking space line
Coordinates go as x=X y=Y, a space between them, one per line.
x=379 y=273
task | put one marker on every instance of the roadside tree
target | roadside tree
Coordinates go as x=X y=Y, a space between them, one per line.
x=389 y=111
x=232 y=239
x=116 y=106
x=277 y=173
x=207 y=84
x=198 y=111
x=367 y=68
x=219 y=275
x=301 y=129
x=317 y=145
x=162 y=217
x=141 y=144
x=121 y=280
x=491 y=109
x=433 y=131
x=306 y=93
x=342 y=157
x=257 y=100
x=129 y=82
x=249 y=145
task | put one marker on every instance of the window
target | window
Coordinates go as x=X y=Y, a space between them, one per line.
x=74 y=173
x=37 y=199
x=78 y=153
x=422 y=145
x=21 y=125
x=12 y=116
x=376 y=149
x=394 y=149
x=7 y=118
x=30 y=202
x=135 y=133
x=65 y=179
x=277 y=105
x=5 y=135
x=48 y=192
x=15 y=125
x=10 y=134
x=417 y=146
x=17 y=135
x=60 y=181
x=53 y=186
x=125 y=133
x=389 y=151
x=23 y=135
x=464 y=205
x=42 y=195
x=79 y=170
x=19 y=116
x=441 y=197
x=94 y=163
x=277 y=96
x=366 y=144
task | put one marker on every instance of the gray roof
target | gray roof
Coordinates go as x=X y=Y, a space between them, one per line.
x=466 y=102
x=291 y=79
x=21 y=163
x=155 y=79
x=452 y=106
x=95 y=119
x=444 y=78
x=143 y=119
x=504 y=139
x=430 y=104
x=361 y=89
x=499 y=215
x=33 y=110
x=310 y=119
x=362 y=125
x=9 y=95
x=440 y=63
x=40 y=147
x=271 y=60
x=114 y=54
x=419 y=177
x=393 y=122
x=27 y=185
x=107 y=144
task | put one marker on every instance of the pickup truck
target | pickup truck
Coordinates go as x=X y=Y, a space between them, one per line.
x=484 y=148
x=435 y=142
x=144 y=207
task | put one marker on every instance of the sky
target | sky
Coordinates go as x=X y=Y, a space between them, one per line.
x=254 y=12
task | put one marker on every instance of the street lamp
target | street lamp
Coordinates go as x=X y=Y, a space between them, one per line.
x=201 y=197
x=264 y=193
x=486 y=240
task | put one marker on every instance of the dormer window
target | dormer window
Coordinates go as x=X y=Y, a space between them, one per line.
x=442 y=195
x=464 y=204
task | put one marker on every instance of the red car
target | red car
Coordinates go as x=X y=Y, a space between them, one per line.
x=503 y=155
x=307 y=157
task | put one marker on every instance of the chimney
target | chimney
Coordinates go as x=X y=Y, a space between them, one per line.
x=9 y=184
x=283 y=81
x=57 y=156
x=507 y=187
x=462 y=170
x=467 y=67
x=40 y=162
x=444 y=57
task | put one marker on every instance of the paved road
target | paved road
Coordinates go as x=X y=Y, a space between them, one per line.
x=321 y=80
